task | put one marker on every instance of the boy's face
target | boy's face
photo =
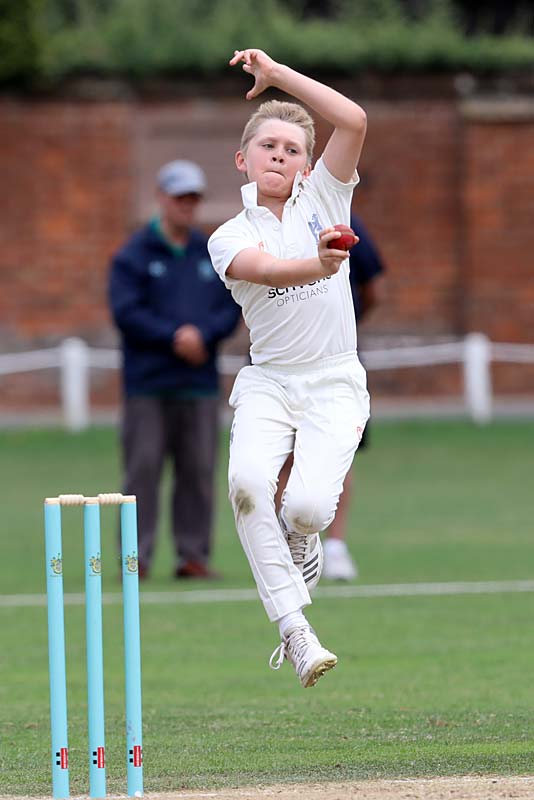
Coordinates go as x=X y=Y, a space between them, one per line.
x=273 y=157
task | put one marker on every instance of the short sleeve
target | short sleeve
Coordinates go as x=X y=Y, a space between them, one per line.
x=223 y=246
x=335 y=196
x=321 y=173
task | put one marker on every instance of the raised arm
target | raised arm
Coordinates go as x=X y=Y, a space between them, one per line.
x=349 y=120
x=256 y=267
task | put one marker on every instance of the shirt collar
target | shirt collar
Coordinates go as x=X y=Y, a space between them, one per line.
x=249 y=192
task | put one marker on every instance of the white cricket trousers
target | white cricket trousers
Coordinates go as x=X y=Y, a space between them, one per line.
x=319 y=412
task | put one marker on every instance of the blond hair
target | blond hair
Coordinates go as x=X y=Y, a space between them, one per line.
x=286 y=112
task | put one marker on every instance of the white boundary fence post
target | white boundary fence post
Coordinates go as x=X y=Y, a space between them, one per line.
x=475 y=353
x=74 y=368
x=477 y=377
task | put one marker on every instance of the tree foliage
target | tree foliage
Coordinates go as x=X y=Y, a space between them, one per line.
x=21 y=41
x=143 y=38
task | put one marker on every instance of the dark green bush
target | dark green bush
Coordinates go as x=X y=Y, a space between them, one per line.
x=21 y=41
x=143 y=38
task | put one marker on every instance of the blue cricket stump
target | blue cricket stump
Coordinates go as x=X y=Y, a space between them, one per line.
x=94 y=641
x=95 y=657
x=132 y=647
x=56 y=649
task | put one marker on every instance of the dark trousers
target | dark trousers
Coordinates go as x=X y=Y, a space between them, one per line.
x=153 y=429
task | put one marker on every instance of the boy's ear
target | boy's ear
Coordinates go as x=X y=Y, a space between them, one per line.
x=307 y=171
x=240 y=161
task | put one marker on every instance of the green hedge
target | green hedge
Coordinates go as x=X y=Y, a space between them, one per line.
x=21 y=40
x=142 y=38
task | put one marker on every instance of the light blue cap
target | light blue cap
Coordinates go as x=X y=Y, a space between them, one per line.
x=181 y=177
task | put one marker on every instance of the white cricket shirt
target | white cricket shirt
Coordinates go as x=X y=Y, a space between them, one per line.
x=299 y=324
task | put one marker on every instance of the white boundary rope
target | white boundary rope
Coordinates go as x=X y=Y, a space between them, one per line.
x=327 y=593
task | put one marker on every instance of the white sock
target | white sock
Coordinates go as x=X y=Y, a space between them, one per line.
x=295 y=619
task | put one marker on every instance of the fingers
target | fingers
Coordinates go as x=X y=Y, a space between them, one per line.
x=340 y=255
x=330 y=257
x=328 y=235
x=255 y=63
x=238 y=55
x=189 y=345
x=246 y=56
x=243 y=55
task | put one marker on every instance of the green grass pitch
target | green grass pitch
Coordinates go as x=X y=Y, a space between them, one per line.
x=438 y=685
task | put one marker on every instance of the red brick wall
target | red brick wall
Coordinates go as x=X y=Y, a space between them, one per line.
x=67 y=202
x=447 y=190
x=499 y=221
x=408 y=196
x=498 y=214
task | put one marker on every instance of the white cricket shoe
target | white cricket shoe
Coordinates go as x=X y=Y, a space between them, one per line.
x=303 y=649
x=338 y=564
x=307 y=554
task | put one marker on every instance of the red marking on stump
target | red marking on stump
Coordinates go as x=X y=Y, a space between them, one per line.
x=137 y=755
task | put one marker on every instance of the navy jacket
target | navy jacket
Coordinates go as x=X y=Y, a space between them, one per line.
x=152 y=292
x=365 y=262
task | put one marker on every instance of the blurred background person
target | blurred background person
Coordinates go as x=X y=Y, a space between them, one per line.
x=172 y=313
x=366 y=265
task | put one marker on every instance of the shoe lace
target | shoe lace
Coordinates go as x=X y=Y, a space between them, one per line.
x=295 y=645
x=299 y=641
x=298 y=545
x=297 y=542
x=279 y=654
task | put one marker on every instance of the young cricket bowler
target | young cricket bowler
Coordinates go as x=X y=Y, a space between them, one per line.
x=305 y=390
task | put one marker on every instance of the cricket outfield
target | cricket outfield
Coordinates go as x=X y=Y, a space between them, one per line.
x=430 y=685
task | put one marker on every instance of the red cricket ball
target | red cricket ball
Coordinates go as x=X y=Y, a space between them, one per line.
x=345 y=241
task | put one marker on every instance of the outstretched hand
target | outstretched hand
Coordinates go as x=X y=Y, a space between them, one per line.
x=259 y=64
